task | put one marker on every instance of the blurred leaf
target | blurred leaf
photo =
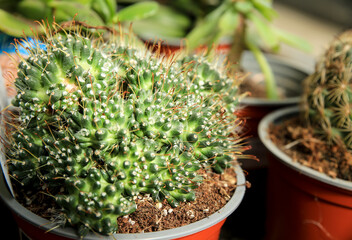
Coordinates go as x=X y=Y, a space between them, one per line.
x=66 y=11
x=265 y=8
x=228 y=22
x=112 y=6
x=199 y=34
x=202 y=32
x=130 y=1
x=266 y=33
x=136 y=11
x=293 y=40
x=244 y=7
x=186 y=6
x=84 y=2
x=166 y=23
x=103 y=9
x=150 y=29
x=16 y=26
x=33 y=9
x=195 y=8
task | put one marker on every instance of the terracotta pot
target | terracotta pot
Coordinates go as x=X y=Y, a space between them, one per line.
x=303 y=203
x=288 y=76
x=37 y=228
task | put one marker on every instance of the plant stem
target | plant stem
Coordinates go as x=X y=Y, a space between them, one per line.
x=271 y=89
x=238 y=45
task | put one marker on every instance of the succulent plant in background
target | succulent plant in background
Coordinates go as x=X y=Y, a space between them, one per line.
x=102 y=122
x=18 y=17
x=327 y=94
x=173 y=19
x=248 y=23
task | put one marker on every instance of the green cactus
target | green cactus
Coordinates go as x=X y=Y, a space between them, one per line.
x=327 y=96
x=109 y=121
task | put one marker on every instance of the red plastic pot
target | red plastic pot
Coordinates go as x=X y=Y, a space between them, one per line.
x=171 y=46
x=303 y=203
x=254 y=109
x=37 y=228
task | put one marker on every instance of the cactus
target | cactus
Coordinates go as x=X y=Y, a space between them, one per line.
x=100 y=123
x=327 y=95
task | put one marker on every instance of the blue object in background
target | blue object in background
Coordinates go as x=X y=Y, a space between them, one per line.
x=7 y=44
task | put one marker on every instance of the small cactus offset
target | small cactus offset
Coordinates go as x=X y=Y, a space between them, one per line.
x=327 y=99
x=100 y=123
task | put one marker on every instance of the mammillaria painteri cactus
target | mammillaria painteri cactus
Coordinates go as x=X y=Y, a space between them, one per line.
x=102 y=122
x=328 y=94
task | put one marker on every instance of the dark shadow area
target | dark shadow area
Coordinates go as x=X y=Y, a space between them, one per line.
x=248 y=221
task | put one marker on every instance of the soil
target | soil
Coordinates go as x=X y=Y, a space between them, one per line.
x=304 y=146
x=212 y=195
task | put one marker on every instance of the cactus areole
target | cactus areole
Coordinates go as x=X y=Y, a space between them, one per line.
x=102 y=122
x=327 y=99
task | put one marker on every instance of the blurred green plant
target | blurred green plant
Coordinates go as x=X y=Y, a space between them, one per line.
x=247 y=22
x=18 y=17
x=174 y=19
x=199 y=22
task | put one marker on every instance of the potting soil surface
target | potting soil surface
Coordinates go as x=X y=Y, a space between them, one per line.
x=307 y=148
x=212 y=195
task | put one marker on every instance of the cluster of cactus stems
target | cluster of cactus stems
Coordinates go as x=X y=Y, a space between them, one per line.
x=102 y=122
x=327 y=98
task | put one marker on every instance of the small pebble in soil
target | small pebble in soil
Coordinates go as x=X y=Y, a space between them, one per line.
x=164 y=212
x=158 y=205
x=190 y=214
x=131 y=221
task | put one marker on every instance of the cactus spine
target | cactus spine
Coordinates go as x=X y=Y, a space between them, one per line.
x=109 y=122
x=327 y=96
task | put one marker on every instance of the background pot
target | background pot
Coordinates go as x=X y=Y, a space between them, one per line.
x=303 y=203
x=288 y=76
x=170 y=46
x=38 y=228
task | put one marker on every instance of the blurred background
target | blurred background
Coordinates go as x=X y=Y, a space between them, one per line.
x=318 y=21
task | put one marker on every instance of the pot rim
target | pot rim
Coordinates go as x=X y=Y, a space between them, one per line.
x=276 y=116
x=176 y=42
x=263 y=102
x=189 y=229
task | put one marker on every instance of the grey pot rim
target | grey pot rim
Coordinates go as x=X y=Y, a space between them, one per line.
x=263 y=102
x=285 y=159
x=189 y=229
